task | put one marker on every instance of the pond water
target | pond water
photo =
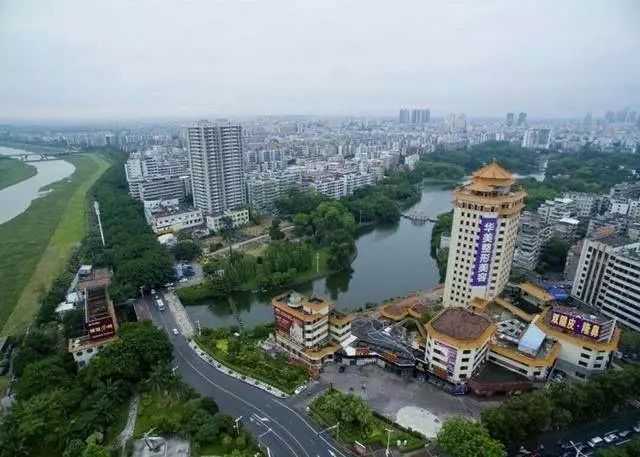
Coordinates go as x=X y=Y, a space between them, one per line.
x=392 y=261
x=16 y=199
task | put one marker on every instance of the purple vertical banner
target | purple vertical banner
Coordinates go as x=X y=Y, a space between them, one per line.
x=486 y=240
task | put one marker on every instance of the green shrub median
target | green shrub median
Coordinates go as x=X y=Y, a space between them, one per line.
x=241 y=353
x=358 y=422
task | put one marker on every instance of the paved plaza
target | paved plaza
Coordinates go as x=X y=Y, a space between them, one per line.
x=410 y=402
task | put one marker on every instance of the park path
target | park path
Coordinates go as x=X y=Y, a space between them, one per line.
x=127 y=432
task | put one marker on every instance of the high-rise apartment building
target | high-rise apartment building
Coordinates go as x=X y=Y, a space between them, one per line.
x=483 y=236
x=510 y=118
x=522 y=119
x=607 y=278
x=420 y=116
x=405 y=116
x=217 y=171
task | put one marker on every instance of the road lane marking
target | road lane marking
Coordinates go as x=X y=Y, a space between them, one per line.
x=242 y=400
x=310 y=427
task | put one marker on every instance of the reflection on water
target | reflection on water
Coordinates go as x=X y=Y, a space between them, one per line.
x=16 y=199
x=392 y=260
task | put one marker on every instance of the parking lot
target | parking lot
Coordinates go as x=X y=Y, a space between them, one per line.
x=408 y=401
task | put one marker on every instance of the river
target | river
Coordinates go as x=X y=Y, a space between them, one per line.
x=16 y=199
x=392 y=261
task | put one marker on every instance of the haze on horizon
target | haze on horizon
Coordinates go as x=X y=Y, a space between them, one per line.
x=81 y=59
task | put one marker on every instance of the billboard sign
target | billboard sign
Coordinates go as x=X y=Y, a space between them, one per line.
x=451 y=354
x=101 y=328
x=288 y=324
x=576 y=324
x=484 y=252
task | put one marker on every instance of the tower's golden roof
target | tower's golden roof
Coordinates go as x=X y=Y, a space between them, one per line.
x=493 y=171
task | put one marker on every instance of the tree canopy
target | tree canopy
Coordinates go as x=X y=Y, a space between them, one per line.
x=461 y=437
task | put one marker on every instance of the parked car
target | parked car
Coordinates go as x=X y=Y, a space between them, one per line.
x=175 y=331
x=300 y=389
x=611 y=437
x=595 y=441
x=624 y=433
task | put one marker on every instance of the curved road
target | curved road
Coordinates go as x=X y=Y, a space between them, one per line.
x=274 y=423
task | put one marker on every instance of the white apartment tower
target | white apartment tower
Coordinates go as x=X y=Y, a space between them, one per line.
x=217 y=166
x=483 y=236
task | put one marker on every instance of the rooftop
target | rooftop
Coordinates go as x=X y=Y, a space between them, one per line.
x=97 y=277
x=493 y=171
x=461 y=324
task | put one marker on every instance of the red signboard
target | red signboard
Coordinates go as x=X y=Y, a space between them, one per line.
x=288 y=324
x=101 y=328
x=283 y=321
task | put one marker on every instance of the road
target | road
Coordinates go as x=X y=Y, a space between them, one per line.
x=615 y=422
x=274 y=422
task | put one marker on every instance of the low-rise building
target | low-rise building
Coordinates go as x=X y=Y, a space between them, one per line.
x=586 y=203
x=532 y=236
x=551 y=211
x=100 y=320
x=457 y=343
x=526 y=333
x=170 y=216
x=309 y=328
x=228 y=218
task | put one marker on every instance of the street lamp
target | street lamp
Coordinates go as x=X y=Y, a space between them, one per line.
x=237 y=423
x=96 y=208
x=387 y=453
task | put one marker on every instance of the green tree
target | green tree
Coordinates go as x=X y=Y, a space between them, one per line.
x=95 y=450
x=275 y=233
x=187 y=250
x=73 y=324
x=139 y=348
x=554 y=255
x=461 y=437
x=41 y=376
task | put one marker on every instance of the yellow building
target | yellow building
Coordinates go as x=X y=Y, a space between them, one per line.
x=457 y=343
x=308 y=328
x=483 y=236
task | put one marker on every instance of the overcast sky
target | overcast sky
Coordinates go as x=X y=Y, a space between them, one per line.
x=73 y=59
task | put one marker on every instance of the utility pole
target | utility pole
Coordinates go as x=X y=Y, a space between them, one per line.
x=200 y=333
x=237 y=424
x=388 y=440
x=96 y=208
x=317 y=262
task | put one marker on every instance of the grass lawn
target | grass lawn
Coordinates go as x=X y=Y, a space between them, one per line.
x=38 y=242
x=13 y=171
x=154 y=405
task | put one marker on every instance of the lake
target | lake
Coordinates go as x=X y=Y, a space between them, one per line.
x=392 y=261
x=16 y=199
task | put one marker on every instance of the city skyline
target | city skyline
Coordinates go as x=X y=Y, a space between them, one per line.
x=196 y=59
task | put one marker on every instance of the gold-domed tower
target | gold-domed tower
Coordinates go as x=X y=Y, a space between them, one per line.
x=483 y=235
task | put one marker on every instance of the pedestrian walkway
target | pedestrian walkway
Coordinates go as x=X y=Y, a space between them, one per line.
x=180 y=315
x=127 y=432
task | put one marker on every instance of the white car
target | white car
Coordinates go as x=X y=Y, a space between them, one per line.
x=611 y=437
x=175 y=331
x=300 y=389
x=593 y=442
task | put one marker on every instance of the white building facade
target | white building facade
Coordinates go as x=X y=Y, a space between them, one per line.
x=217 y=166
